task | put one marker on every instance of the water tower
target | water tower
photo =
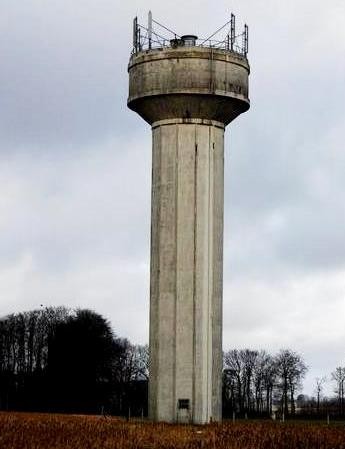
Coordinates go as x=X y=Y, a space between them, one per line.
x=188 y=90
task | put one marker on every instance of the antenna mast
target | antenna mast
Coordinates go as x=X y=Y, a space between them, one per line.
x=245 y=39
x=135 y=34
x=232 y=32
x=149 y=29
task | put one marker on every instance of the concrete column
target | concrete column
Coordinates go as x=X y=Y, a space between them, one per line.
x=186 y=270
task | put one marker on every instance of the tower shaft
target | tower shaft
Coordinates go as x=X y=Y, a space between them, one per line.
x=186 y=270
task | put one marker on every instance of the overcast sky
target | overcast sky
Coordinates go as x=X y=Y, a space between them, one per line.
x=75 y=170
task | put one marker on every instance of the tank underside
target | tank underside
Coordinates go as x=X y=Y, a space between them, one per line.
x=220 y=108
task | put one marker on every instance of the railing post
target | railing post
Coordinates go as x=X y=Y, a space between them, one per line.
x=135 y=34
x=149 y=29
x=232 y=31
x=246 y=36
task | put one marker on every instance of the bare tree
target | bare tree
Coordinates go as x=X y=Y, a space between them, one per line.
x=249 y=358
x=229 y=390
x=270 y=376
x=319 y=382
x=290 y=369
x=338 y=375
x=249 y=378
x=264 y=381
x=141 y=361
x=234 y=365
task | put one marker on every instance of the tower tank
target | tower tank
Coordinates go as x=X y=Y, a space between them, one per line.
x=188 y=91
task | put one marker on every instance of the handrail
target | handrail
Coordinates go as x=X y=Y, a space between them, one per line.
x=150 y=38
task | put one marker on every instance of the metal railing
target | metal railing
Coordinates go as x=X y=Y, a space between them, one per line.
x=156 y=36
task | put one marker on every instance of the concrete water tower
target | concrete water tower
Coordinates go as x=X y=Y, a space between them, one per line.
x=188 y=90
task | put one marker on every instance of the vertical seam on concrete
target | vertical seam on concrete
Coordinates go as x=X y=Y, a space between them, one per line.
x=194 y=268
x=175 y=411
x=210 y=272
x=220 y=284
x=158 y=269
x=208 y=286
x=150 y=405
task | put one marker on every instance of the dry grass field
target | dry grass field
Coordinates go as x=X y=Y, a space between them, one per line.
x=44 y=431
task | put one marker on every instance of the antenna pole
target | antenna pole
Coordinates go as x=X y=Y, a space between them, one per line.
x=232 y=31
x=246 y=38
x=149 y=28
x=135 y=34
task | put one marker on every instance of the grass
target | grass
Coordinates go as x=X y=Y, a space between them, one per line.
x=53 y=431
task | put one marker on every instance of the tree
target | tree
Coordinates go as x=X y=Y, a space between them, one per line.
x=23 y=356
x=338 y=375
x=234 y=368
x=290 y=369
x=249 y=358
x=80 y=362
x=55 y=359
x=141 y=356
x=319 y=381
x=264 y=381
x=131 y=379
x=249 y=379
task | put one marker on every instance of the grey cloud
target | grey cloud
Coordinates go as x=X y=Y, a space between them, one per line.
x=60 y=74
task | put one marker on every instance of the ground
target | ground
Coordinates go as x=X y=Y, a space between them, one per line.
x=53 y=431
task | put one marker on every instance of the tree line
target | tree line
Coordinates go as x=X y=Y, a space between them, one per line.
x=319 y=404
x=56 y=359
x=255 y=383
